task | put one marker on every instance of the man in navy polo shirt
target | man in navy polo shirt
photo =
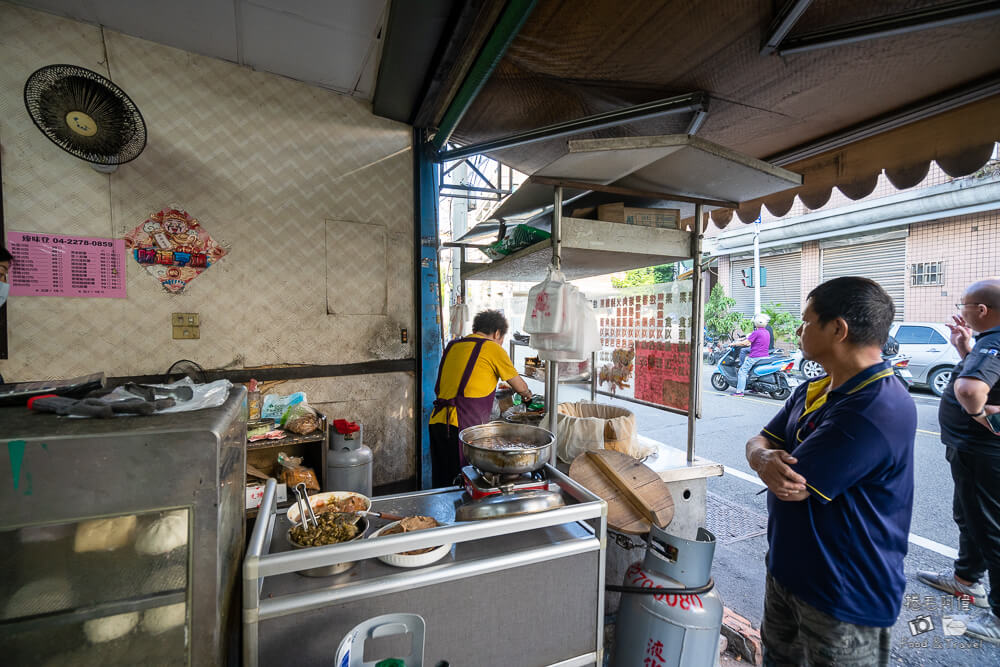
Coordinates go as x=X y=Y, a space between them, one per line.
x=972 y=448
x=838 y=463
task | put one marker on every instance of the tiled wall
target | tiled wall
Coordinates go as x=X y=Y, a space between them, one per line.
x=969 y=246
x=810 y=268
x=264 y=163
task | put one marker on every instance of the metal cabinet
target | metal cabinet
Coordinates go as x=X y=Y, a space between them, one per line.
x=522 y=590
x=121 y=539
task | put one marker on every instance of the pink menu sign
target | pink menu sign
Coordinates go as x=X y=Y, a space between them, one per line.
x=55 y=265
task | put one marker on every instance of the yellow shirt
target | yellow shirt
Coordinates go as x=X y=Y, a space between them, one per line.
x=493 y=364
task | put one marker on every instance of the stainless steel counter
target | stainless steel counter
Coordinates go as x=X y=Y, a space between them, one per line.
x=537 y=577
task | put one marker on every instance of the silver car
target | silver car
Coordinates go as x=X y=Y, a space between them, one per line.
x=932 y=356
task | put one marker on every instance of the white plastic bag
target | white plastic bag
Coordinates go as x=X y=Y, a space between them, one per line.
x=580 y=335
x=545 y=304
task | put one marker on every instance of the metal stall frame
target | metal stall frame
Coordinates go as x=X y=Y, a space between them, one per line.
x=589 y=511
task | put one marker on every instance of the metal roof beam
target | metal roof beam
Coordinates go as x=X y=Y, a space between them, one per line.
x=897 y=24
x=783 y=22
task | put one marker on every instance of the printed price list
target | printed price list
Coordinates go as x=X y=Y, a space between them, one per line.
x=55 y=265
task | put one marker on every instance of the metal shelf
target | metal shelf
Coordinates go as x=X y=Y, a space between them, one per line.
x=589 y=248
x=318 y=435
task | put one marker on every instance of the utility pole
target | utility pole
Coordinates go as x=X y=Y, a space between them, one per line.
x=756 y=266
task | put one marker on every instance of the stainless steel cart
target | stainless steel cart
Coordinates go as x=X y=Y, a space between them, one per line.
x=65 y=575
x=522 y=590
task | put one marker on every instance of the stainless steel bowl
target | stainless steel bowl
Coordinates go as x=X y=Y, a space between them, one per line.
x=533 y=455
x=330 y=570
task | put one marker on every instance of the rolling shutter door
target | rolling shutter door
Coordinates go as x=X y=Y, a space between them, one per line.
x=882 y=261
x=784 y=283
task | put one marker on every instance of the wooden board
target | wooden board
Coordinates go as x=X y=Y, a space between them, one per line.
x=623 y=516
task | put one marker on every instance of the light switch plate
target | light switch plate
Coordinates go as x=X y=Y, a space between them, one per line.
x=185 y=319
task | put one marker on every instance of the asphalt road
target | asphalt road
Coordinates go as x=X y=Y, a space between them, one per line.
x=739 y=568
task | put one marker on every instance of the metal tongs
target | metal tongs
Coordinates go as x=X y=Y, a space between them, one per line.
x=305 y=507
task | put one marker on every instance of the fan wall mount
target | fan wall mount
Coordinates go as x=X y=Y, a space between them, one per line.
x=86 y=115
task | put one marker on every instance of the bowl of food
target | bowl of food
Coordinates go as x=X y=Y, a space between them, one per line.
x=417 y=557
x=332 y=501
x=331 y=528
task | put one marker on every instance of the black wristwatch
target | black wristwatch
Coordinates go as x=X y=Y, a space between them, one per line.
x=981 y=413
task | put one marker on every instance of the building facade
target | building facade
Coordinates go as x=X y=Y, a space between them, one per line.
x=924 y=245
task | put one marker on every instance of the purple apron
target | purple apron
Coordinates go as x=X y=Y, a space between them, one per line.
x=471 y=411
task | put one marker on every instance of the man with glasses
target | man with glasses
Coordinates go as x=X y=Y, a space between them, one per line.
x=970 y=431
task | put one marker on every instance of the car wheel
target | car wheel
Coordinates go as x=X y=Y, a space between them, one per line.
x=811 y=369
x=938 y=380
x=719 y=383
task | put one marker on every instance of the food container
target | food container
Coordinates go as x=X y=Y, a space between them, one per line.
x=534 y=452
x=411 y=560
x=330 y=570
x=320 y=501
x=259 y=427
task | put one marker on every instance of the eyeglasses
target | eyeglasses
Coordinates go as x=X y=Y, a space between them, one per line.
x=960 y=306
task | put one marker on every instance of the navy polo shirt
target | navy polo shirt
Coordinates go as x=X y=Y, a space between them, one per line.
x=841 y=549
x=958 y=429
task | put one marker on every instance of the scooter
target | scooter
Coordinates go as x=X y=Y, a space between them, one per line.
x=767 y=376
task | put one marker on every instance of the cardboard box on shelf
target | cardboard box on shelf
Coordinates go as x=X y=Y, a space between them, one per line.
x=667 y=218
x=255 y=493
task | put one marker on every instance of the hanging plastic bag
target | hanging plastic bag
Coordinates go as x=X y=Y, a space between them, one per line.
x=579 y=337
x=545 y=304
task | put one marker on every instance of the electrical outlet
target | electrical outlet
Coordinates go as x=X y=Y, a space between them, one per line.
x=403 y=336
x=185 y=319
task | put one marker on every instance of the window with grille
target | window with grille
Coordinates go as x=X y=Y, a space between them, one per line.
x=927 y=273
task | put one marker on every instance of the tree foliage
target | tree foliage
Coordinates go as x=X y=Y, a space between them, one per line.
x=651 y=275
x=721 y=319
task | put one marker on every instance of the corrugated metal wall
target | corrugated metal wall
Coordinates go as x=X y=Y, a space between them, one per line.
x=882 y=261
x=784 y=283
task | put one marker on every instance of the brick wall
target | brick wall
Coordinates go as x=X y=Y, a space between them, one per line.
x=810 y=268
x=968 y=245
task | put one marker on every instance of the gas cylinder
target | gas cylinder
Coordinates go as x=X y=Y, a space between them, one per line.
x=670 y=629
x=349 y=462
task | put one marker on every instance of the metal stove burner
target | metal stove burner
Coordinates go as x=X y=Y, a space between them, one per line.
x=479 y=484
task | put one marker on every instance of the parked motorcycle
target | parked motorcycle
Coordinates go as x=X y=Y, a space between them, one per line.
x=767 y=376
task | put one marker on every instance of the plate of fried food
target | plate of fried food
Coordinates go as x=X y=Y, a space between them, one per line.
x=417 y=557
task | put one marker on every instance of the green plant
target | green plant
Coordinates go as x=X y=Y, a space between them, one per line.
x=784 y=323
x=720 y=319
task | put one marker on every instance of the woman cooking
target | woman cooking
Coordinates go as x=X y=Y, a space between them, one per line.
x=466 y=382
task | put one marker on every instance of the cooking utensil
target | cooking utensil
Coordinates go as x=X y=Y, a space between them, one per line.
x=625 y=515
x=534 y=454
x=330 y=570
x=305 y=506
x=354 y=517
x=320 y=501
x=509 y=504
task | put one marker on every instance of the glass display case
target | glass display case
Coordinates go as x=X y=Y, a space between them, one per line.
x=120 y=539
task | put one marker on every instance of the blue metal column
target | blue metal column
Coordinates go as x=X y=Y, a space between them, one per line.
x=427 y=298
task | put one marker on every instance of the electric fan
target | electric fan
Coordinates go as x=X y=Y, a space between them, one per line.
x=86 y=115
